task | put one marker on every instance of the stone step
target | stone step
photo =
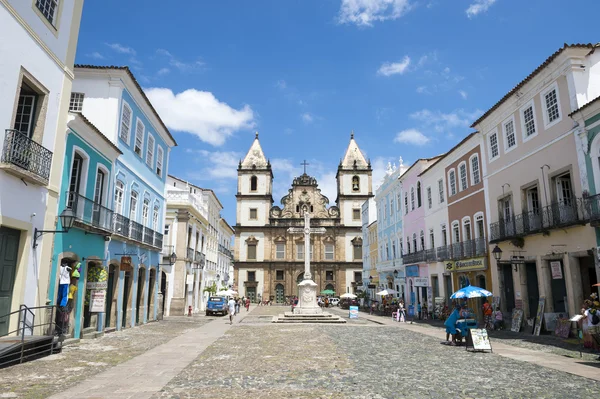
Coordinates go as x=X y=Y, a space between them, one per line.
x=324 y=321
x=320 y=318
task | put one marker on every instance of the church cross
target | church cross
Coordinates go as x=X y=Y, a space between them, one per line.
x=305 y=164
x=307 y=231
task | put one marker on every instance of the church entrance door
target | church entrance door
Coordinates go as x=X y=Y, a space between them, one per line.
x=251 y=293
x=279 y=293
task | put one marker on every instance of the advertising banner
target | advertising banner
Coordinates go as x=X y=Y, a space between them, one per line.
x=466 y=265
x=97 y=299
x=354 y=312
x=421 y=282
x=412 y=271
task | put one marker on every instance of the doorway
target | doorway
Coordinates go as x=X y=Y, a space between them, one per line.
x=588 y=276
x=559 y=292
x=151 y=284
x=163 y=290
x=126 y=298
x=279 y=293
x=139 y=304
x=533 y=293
x=509 y=288
x=9 y=249
x=110 y=296
x=251 y=293
x=447 y=288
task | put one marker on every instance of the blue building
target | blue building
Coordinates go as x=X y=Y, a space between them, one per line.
x=123 y=272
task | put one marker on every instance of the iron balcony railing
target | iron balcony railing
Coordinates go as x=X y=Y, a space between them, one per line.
x=430 y=255
x=414 y=257
x=158 y=239
x=190 y=254
x=136 y=231
x=21 y=151
x=556 y=215
x=198 y=257
x=128 y=228
x=592 y=207
x=89 y=212
x=148 y=236
x=462 y=250
x=442 y=253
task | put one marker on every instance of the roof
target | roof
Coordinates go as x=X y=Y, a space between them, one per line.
x=227 y=224
x=95 y=129
x=198 y=187
x=585 y=106
x=353 y=155
x=451 y=150
x=419 y=160
x=126 y=69
x=532 y=75
x=255 y=158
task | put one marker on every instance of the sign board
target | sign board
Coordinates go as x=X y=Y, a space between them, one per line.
x=517 y=319
x=413 y=298
x=563 y=328
x=556 y=269
x=412 y=271
x=97 y=299
x=411 y=310
x=466 y=265
x=478 y=339
x=421 y=281
x=189 y=279
x=96 y=285
x=354 y=312
x=126 y=264
x=518 y=303
x=539 y=316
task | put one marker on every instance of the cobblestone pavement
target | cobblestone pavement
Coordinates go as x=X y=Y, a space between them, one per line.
x=262 y=360
x=49 y=375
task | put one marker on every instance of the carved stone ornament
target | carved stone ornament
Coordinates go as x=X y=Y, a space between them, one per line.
x=252 y=240
x=280 y=239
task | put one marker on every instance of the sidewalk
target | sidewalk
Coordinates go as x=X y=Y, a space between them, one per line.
x=146 y=374
x=583 y=368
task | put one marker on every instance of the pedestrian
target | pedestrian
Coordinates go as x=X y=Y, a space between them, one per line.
x=238 y=303
x=499 y=319
x=419 y=309
x=487 y=314
x=402 y=315
x=450 y=324
x=231 y=305
x=247 y=304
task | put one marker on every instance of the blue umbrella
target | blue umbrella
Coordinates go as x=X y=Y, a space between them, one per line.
x=470 y=292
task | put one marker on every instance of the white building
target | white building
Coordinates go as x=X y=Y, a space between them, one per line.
x=39 y=40
x=369 y=215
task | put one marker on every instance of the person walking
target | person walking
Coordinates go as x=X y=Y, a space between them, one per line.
x=247 y=304
x=238 y=304
x=487 y=315
x=231 y=305
x=419 y=309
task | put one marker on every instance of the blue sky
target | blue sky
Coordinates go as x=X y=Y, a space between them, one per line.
x=408 y=76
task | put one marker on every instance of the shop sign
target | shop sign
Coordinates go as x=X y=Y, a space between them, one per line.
x=556 y=270
x=412 y=271
x=97 y=299
x=354 y=312
x=421 y=282
x=96 y=285
x=126 y=263
x=466 y=265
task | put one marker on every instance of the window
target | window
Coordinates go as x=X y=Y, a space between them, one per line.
x=399 y=202
x=159 y=161
x=528 y=121
x=441 y=190
x=252 y=275
x=455 y=232
x=412 y=198
x=467 y=229
x=26 y=110
x=166 y=231
x=357 y=251
x=356 y=214
x=155 y=219
x=280 y=251
x=355 y=183
x=429 y=199
x=387 y=252
x=452 y=178
x=393 y=250
x=407 y=245
x=479 y=227
x=253 y=214
x=329 y=252
x=329 y=275
x=150 y=151
x=391 y=208
x=251 y=255
x=139 y=138
x=279 y=275
x=418 y=194
x=253 y=183
x=564 y=192
x=145 y=211
x=533 y=203
x=133 y=205
x=76 y=171
x=475 y=178
x=494 y=152
x=49 y=9
x=462 y=170
x=405 y=203
x=422 y=237
x=444 y=236
x=300 y=251
x=119 y=191
x=509 y=135
x=358 y=276
x=99 y=188
x=125 y=123
x=431 y=239
x=76 y=103
x=414 y=238
x=552 y=108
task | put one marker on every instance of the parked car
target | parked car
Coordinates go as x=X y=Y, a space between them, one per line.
x=334 y=301
x=346 y=303
x=216 y=304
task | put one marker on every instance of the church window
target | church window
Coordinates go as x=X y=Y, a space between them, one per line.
x=252 y=251
x=253 y=183
x=279 y=275
x=329 y=275
x=357 y=251
x=418 y=194
x=355 y=183
x=328 y=251
x=252 y=276
x=300 y=251
x=355 y=214
x=280 y=251
x=253 y=214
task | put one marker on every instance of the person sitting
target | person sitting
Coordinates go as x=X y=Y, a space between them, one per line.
x=498 y=319
x=450 y=324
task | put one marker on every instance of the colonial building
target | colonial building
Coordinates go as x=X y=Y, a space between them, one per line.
x=369 y=216
x=269 y=261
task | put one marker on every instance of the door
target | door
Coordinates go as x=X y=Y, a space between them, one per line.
x=110 y=293
x=565 y=208
x=533 y=219
x=509 y=289
x=279 y=293
x=9 y=249
x=448 y=288
x=126 y=292
x=98 y=219
x=559 y=292
x=509 y=228
x=74 y=185
x=533 y=293
x=251 y=293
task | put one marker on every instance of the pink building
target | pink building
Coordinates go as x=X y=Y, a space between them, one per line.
x=413 y=245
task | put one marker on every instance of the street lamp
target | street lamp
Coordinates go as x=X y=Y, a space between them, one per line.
x=67 y=218
x=497 y=252
x=172 y=260
x=395 y=273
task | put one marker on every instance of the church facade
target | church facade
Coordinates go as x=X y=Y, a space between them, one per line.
x=269 y=261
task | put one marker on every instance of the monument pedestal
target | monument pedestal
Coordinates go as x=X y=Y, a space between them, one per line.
x=307 y=298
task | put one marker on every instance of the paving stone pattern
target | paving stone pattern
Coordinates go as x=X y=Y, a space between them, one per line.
x=359 y=361
x=52 y=374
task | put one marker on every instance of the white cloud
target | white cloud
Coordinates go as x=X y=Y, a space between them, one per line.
x=379 y=166
x=96 y=55
x=180 y=65
x=411 y=136
x=121 y=49
x=393 y=68
x=307 y=117
x=281 y=84
x=445 y=122
x=478 y=7
x=463 y=94
x=423 y=90
x=366 y=12
x=200 y=113
x=163 y=71
x=220 y=172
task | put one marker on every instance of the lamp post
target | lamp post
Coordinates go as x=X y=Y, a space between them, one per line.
x=67 y=218
x=497 y=252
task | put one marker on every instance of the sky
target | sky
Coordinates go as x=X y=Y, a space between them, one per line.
x=407 y=76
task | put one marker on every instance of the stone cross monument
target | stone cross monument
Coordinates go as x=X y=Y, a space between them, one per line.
x=307 y=289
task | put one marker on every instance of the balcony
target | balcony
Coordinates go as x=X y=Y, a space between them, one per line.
x=554 y=216
x=90 y=213
x=430 y=255
x=148 y=236
x=129 y=229
x=25 y=158
x=158 y=239
x=190 y=254
x=185 y=198
x=592 y=206
x=414 y=257
x=136 y=231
